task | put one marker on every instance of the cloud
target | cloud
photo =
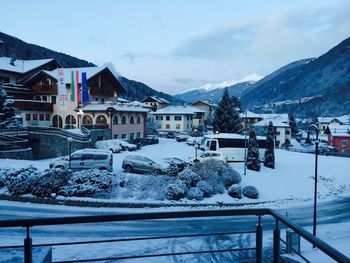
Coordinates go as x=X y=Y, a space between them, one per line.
x=184 y=80
x=134 y=56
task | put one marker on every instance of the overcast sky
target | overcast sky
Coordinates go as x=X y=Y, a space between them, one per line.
x=174 y=45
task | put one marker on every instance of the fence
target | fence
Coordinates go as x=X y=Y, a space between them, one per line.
x=278 y=220
x=84 y=137
x=10 y=143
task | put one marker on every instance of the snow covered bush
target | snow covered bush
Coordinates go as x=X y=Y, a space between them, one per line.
x=208 y=169
x=19 y=182
x=3 y=173
x=230 y=176
x=176 y=191
x=250 y=192
x=189 y=177
x=142 y=187
x=194 y=193
x=50 y=181
x=88 y=183
x=206 y=188
x=235 y=191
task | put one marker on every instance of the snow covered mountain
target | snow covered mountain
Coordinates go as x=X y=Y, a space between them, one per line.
x=213 y=91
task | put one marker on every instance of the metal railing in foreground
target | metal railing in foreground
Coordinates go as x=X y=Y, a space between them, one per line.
x=258 y=231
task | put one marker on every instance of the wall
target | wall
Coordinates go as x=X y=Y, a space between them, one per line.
x=24 y=154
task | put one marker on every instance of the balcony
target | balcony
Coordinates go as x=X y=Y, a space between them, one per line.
x=33 y=105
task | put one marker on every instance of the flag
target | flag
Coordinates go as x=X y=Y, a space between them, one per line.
x=77 y=86
x=84 y=87
x=62 y=92
x=72 y=88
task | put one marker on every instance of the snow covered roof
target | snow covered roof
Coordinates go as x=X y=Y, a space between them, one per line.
x=123 y=100
x=20 y=65
x=208 y=102
x=182 y=110
x=283 y=117
x=275 y=123
x=140 y=104
x=327 y=119
x=250 y=114
x=157 y=99
x=339 y=130
x=90 y=72
x=121 y=107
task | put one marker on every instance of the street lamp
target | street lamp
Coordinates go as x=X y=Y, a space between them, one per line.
x=110 y=112
x=314 y=127
x=79 y=113
x=245 y=144
x=70 y=150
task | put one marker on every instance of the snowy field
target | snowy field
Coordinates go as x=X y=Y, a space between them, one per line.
x=292 y=180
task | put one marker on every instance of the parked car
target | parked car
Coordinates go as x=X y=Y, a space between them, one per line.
x=108 y=145
x=327 y=150
x=210 y=155
x=151 y=139
x=86 y=159
x=141 y=164
x=179 y=163
x=125 y=145
x=137 y=141
x=182 y=137
x=194 y=140
x=170 y=135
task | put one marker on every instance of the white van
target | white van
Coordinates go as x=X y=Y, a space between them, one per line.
x=86 y=159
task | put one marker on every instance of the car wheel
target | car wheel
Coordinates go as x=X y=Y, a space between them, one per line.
x=196 y=161
x=102 y=168
x=128 y=168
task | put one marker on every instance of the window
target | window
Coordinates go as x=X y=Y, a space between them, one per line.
x=138 y=135
x=102 y=100
x=41 y=117
x=132 y=136
x=44 y=98
x=138 y=120
x=178 y=118
x=344 y=143
x=53 y=99
x=28 y=117
x=96 y=99
x=177 y=126
x=168 y=118
x=87 y=119
x=115 y=136
x=124 y=121
x=87 y=157
x=132 y=120
x=124 y=136
x=101 y=119
x=287 y=132
x=75 y=157
x=37 y=98
x=115 y=120
x=35 y=117
x=47 y=117
x=100 y=157
x=188 y=118
x=167 y=126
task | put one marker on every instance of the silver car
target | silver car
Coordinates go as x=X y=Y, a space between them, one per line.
x=141 y=164
x=86 y=159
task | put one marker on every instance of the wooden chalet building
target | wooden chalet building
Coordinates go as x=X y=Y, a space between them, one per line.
x=339 y=137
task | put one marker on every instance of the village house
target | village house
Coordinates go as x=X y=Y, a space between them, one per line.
x=156 y=102
x=177 y=118
x=282 y=131
x=208 y=107
x=249 y=118
x=339 y=137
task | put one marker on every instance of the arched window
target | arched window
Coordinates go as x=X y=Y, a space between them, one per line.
x=70 y=120
x=115 y=120
x=57 y=121
x=132 y=120
x=138 y=120
x=87 y=120
x=123 y=120
x=101 y=119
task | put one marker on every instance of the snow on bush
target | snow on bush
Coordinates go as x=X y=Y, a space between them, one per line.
x=194 y=193
x=208 y=169
x=176 y=191
x=50 y=181
x=189 y=177
x=230 y=176
x=235 y=191
x=206 y=188
x=3 y=173
x=142 y=187
x=250 y=192
x=19 y=182
x=88 y=183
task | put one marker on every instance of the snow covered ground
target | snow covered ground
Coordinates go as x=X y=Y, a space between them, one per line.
x=293 y=178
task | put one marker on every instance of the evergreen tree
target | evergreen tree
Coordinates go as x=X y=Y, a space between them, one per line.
x=293 y=124
x=236 y=103
x=226 y=115
x=253 y=159
x=269 y=160
x=7 y=111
